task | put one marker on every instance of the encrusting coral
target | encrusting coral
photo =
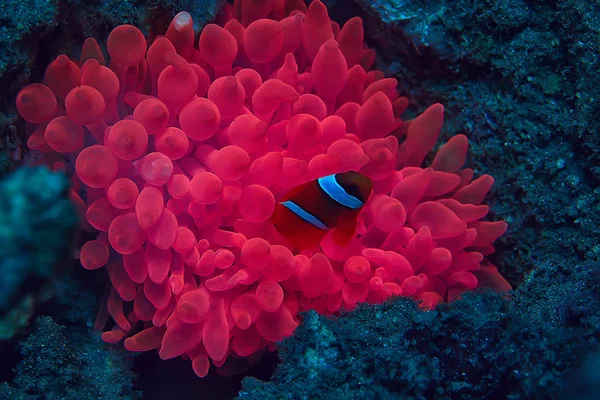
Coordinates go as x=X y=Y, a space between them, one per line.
x=182 y=152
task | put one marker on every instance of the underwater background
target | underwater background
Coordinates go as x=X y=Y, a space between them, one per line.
x=518 y=78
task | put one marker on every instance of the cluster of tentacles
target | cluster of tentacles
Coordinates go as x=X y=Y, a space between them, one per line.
x=178 y=153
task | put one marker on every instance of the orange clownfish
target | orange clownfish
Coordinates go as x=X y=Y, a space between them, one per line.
x=308 y=211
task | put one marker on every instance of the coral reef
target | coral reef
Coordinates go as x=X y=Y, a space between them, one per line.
x=37 y=223
x=54 y=366
x=20 y=21
x=518 y=79
x=482 y=346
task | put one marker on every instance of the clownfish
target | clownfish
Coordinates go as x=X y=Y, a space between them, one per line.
x=308 y=211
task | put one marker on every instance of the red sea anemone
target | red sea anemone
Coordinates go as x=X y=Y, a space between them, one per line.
x=182 y=152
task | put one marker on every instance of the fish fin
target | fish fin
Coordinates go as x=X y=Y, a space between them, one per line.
x=277 y=212
x=344 y=232
x=304 y=241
